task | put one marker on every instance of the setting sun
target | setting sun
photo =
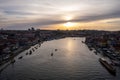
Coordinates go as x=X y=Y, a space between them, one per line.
x=69 y=24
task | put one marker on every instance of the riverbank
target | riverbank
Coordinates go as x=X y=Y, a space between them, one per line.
x=103 y=49
x=15 y=53
x=22 y=49
x=10 y=60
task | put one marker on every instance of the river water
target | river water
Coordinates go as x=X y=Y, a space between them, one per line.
x=71 y=61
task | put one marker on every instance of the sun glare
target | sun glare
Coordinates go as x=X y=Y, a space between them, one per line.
x=69 y=24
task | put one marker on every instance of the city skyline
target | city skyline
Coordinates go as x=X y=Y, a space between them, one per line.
x=56 y=14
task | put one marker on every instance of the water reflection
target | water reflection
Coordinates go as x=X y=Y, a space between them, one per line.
x=70 y=44
x=69 y=47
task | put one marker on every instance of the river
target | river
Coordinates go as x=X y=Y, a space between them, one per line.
x=71 y=61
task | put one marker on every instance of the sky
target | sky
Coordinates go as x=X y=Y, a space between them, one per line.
x=60 y=14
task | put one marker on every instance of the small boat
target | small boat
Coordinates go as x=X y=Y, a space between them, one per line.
x=83 y=42
x=20 y=57
x=55 y=49
x=27 y=53
x=90 y=49
x=30 y=52
x=51 y=54
x=39 y=45
x=33 y=49
x=108 y=66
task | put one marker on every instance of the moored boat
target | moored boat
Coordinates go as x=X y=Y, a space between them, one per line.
x=27 y=53
x=20 y=57
x=108 y=66
x=83 y=42
x=30 y=52
x=33 y=49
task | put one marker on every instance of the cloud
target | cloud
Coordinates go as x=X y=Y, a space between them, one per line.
x=88 y=18
x=94 y=17
x=16 y=13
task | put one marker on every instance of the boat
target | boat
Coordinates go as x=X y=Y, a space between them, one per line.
x=30 y=52
x=108 y=66
x=20 y=57
x=51 y=54
x=27 y=53
x=83 y=42
x=33 y=49
x=55 y=49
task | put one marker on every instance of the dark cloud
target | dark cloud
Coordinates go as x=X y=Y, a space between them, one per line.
x=94 y=17
x=10 y=12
